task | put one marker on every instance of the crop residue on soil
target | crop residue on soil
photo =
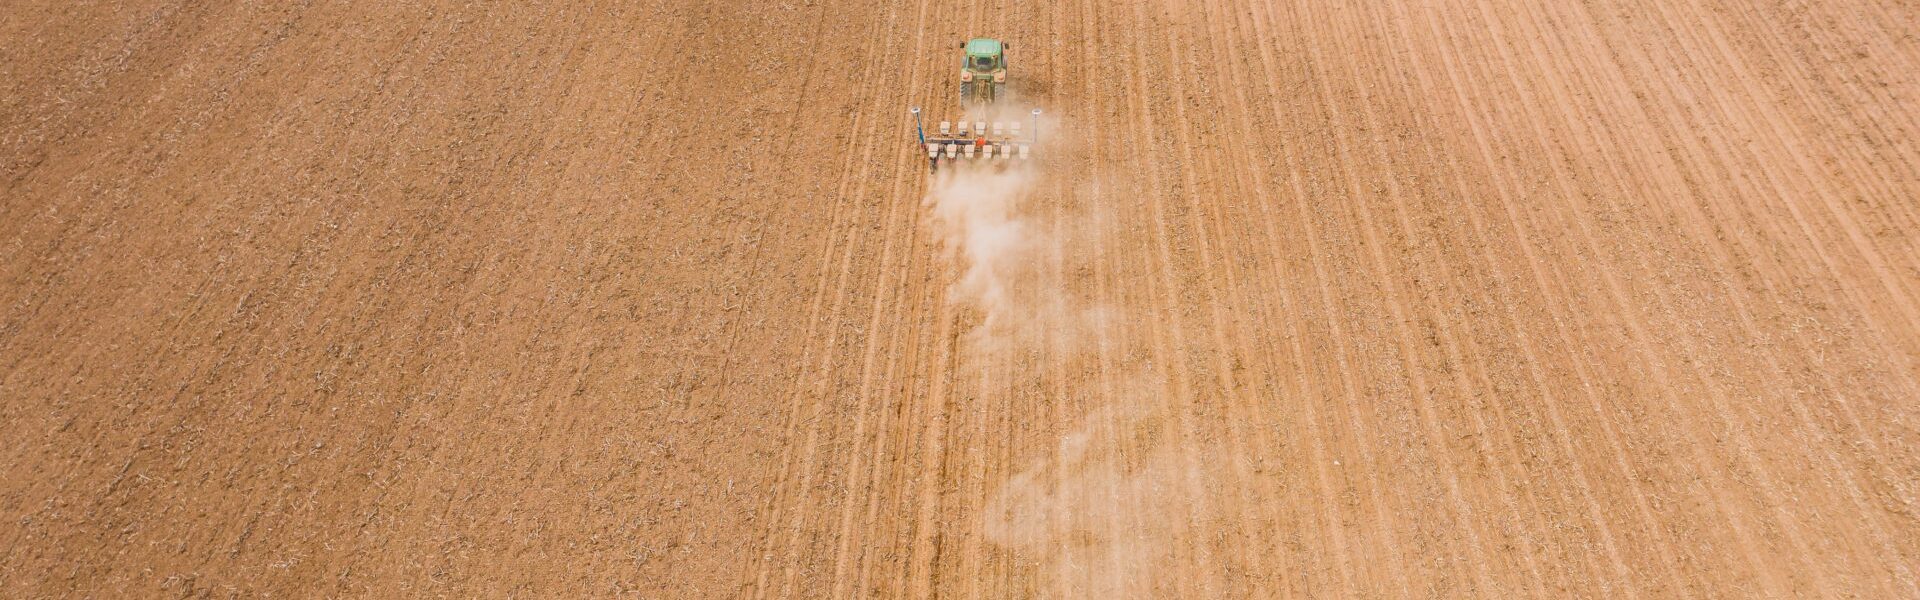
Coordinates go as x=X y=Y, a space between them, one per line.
x=596 y=299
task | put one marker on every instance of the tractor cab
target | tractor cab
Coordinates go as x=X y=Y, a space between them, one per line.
x=985 y=55
x=983 y=70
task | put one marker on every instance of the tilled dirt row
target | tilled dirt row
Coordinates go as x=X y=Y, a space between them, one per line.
x=1466 y=298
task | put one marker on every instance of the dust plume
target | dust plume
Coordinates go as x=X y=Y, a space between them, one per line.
x=978 y=216
x=1107 y=511
x=1108 y=506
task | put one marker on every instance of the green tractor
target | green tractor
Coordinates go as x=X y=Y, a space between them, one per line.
x=983 y=72
x=983 y=82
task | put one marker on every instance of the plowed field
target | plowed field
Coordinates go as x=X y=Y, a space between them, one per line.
x=658 y=299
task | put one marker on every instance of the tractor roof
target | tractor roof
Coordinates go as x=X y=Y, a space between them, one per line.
x=977 y=47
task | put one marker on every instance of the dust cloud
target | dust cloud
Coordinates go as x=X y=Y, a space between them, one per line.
x=1003 y=252
x=1104 y=512
x=1108 y=502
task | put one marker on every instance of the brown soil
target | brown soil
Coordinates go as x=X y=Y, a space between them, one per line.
x=656 y=299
